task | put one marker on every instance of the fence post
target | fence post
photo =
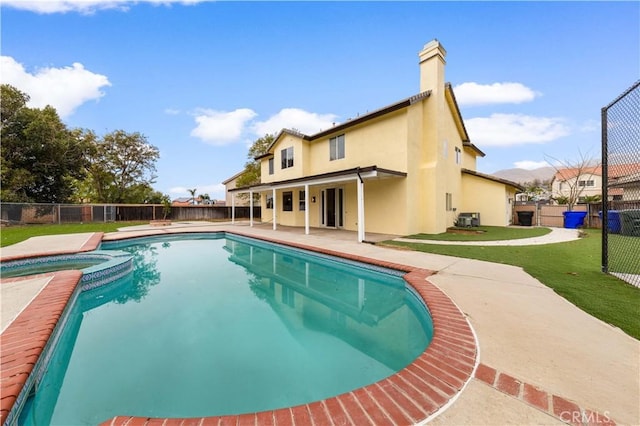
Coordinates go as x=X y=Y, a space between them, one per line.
x=59 y=214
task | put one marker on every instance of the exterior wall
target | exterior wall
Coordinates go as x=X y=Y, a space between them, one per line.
x=491 y=199
x=379 y=142
x=300 y=154
x=239 y=201
x=631 y=192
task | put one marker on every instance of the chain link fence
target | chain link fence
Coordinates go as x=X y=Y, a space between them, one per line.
x=621 y=186
x=34 y=213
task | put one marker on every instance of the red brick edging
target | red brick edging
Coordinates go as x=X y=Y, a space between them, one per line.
x=554 y=405
x=24 y=340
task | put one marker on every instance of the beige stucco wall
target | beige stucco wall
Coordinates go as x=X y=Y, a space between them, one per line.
x=491 y=199
x=563 y=187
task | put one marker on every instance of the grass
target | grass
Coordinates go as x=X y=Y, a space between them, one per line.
x=486 y=233
x=571 y=269
x=15 y=234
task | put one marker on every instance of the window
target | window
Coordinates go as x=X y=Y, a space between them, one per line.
x=270 y=166
x=287 y=201
x=287 y=157
x=449 y=202
x=458 y=156
x=586 y=183
x=336 y=148
x=269 y=201
x=302 y=205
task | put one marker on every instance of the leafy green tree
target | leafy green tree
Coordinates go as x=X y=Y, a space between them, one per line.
x=40 y=156
x=252 y=174
x=122 y=167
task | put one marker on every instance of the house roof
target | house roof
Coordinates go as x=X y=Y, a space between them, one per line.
x=237 y=175
x=614 y=171
x=349 y=123
x=628 y=180
x=494 y=178
x=457 y=117
x=369 y=172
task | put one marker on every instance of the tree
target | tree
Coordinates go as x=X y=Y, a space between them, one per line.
x=251 y=174
x=193 y=195
x=40 y=156
x=206 y=199
x=571 y=176
x=121 y=167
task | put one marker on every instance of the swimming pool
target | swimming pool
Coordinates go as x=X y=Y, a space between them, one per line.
x=212 y=325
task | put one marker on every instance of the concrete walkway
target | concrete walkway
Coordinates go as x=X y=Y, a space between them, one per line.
x=557 y=235
x=524 y=329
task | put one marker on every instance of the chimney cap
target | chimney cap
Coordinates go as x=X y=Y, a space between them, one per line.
x=433 y=48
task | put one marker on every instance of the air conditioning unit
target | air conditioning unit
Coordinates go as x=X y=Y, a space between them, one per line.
x=464 y=222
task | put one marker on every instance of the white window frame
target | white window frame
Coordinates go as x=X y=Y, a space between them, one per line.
x=458 y=155
x=287 y=157
x=336 y=148
x=271 y=165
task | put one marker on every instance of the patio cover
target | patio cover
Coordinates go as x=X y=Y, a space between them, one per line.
x=358 y=174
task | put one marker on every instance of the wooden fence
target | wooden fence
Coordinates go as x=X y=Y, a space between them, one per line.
x=551 y=215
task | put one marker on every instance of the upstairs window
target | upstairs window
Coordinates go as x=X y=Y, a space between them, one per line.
x=584 y=183
x=458 y=156
x=287 y=157
x=270 y=166
x=336 y=148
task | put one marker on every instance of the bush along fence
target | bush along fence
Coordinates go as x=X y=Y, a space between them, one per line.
x=32 y=213
x=621 y=221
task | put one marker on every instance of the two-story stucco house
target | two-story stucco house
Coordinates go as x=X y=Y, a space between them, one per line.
x=403 y=169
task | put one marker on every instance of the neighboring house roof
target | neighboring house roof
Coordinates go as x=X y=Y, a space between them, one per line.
x=349 y=123
x=494 y=178
x=628 y=180
x=236 y=176
x=614 y=171
x=380 y=172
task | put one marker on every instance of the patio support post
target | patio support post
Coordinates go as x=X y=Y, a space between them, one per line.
x=306 y=209
x=233 y=208
x=360 y=185
x=275 y=208
x=250 y=208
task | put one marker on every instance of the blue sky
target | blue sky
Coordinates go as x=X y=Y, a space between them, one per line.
x=203 y=80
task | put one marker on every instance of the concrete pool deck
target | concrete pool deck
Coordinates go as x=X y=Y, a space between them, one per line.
x=534 y=346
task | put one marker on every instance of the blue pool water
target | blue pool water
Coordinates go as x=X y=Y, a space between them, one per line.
x=214 y=325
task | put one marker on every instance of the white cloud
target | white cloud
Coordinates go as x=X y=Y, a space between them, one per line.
x=171 y=111
x=215 y=190
x=63 y=88
x=294 y=118
x=515 y=129
x=86 y=7
x=497 y=93
x=531 y=165
x=220 y=127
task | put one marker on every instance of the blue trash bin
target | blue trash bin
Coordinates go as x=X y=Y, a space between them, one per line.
x=574 y=219
x=613 y=217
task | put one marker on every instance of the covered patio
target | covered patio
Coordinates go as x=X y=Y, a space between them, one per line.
x=356 y=175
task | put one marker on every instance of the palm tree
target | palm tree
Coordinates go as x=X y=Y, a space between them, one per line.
x=193 y=195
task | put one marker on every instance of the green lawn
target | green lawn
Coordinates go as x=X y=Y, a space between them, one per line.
x=486 y=233
x=14 y=234
x=572 y=269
